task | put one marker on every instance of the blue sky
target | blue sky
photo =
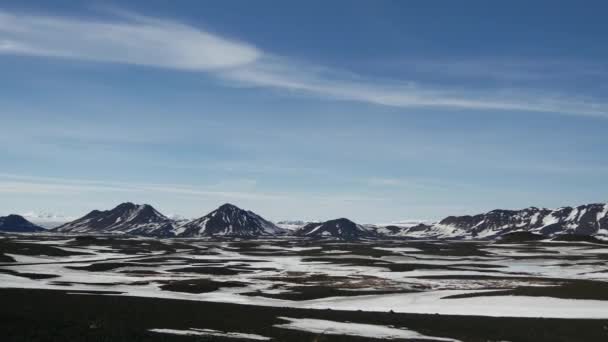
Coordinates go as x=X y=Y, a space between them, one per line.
x=374 y=110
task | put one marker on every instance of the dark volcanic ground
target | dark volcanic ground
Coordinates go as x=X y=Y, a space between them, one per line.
x=47 y=315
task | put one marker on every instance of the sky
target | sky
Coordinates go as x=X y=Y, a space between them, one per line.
x=378 y=111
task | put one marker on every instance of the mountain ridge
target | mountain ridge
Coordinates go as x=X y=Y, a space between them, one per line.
x=588 y=219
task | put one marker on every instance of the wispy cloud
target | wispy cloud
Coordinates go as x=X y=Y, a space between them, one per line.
x=129 y=39
x=38 y=188
x=19 y=184
x=282 y=74
x=423 y=184
x=140 y=40
x=76 y=197
x=500 y=69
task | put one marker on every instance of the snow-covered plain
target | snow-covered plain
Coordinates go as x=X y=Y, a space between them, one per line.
x=403 y=277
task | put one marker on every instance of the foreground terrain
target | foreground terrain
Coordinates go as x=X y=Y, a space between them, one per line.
x=100 y=288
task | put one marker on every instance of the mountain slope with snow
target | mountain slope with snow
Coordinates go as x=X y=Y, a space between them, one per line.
x=590 y=220
x=126 y=218
x=229 y=220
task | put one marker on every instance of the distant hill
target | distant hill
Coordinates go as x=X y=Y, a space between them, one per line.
x=341 y=228
x=18 y=224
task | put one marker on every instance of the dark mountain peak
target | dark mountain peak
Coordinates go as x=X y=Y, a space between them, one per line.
x=229 y=220
x=145 y=213
x=130 y=218
x=230 y=213
x=125 y=206
x=18 y=224
x=134 y=210
x=340 y=228
x=146 y=209
x=13 y=218
x=228 y=207
x=342 y=221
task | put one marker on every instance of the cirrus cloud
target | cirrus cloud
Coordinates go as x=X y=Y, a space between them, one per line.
x=130 y=39
x=140 y=40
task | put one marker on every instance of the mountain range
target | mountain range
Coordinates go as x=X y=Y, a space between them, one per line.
x=586 y=220
x=128 y=218
x=230 y=221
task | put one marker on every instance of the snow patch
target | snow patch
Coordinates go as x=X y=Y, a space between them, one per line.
x=210 y=332
x=323 y=327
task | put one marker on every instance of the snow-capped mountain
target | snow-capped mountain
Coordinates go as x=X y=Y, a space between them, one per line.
x=126 y=218
x=341 y=228
x=18 y=224
x=590 y=219
x=229 y=220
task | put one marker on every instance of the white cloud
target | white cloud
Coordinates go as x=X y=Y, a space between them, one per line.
x=130 y=39
x=502 y=68
x=282 y=74
x=134 y=39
